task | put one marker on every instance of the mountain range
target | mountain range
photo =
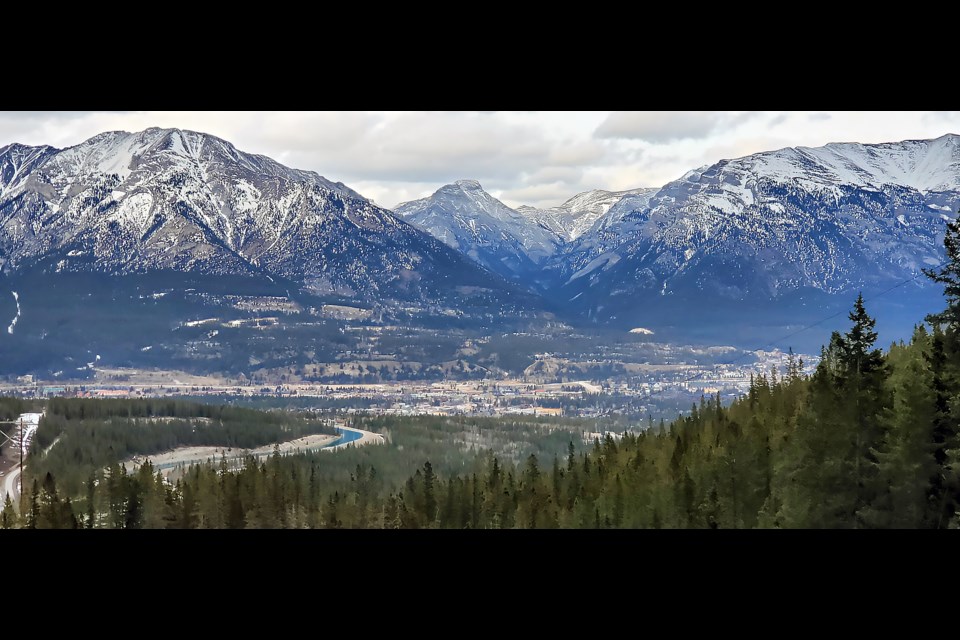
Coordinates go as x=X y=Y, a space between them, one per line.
x=168 y=248
x=785 y=234
x=170 y=200
x=796 y=226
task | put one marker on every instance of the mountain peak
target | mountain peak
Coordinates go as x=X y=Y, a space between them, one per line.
x=469 y=185
x=467 y=218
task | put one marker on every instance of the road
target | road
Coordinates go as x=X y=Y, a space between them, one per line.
x=11 y=486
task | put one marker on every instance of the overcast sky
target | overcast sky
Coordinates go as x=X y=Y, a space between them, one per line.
x=535 y=158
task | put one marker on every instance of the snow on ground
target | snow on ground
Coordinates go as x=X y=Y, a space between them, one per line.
x=13 y=323
x=197 y=323
x=605 y=260
x=590 y=388
x=30 y=423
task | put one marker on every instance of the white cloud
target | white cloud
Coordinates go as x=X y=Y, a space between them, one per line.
x=539 y=195
x=658 y=126
x=537 y=158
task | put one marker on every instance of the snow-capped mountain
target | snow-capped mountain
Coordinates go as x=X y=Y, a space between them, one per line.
x=833 y=220
x=172 y=200
x=582 y=212
x=796 y=226
x=470 y=220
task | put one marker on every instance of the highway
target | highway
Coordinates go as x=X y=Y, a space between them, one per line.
x=11 y=485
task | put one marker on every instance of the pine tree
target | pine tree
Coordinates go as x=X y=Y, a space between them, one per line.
x=449 y=511
x=557 y=480
x=941 y=505
x=857 y=351
x=532 y=493
x=151 y=490
x=814 y=479
x=948 y=274
x=618 y=506
x=794 y=367
x=8 y=518
x=476 y=500
x=33 y=515
x=862 y=378
x=91 y=502
x=48 y=515
x=906 y=467
x=945 y=364
x=429 y=499
x=66 y=518
x=390 y=513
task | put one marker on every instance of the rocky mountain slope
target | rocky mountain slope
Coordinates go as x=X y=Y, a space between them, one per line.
x=172 y=249
x=582 y=212
x=465 y=217
x=829 y=220
x=166 y=199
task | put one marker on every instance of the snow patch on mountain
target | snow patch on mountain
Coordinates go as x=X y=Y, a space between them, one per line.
x=834 y=218
x=605 y=261
x=13 y=323
x=582 y=212
x=924 y=165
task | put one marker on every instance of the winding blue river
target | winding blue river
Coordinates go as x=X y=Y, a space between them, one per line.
x=345 y=437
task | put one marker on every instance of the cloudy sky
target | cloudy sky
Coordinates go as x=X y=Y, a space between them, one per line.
x=536 y=158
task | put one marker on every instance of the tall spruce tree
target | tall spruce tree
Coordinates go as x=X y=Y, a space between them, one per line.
x=429 y=498
x=813 y=481
x=828 y=475
x=8 y=518
x=948 y=274
x=945 y=364
x=906 y=467
x=863 y=380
